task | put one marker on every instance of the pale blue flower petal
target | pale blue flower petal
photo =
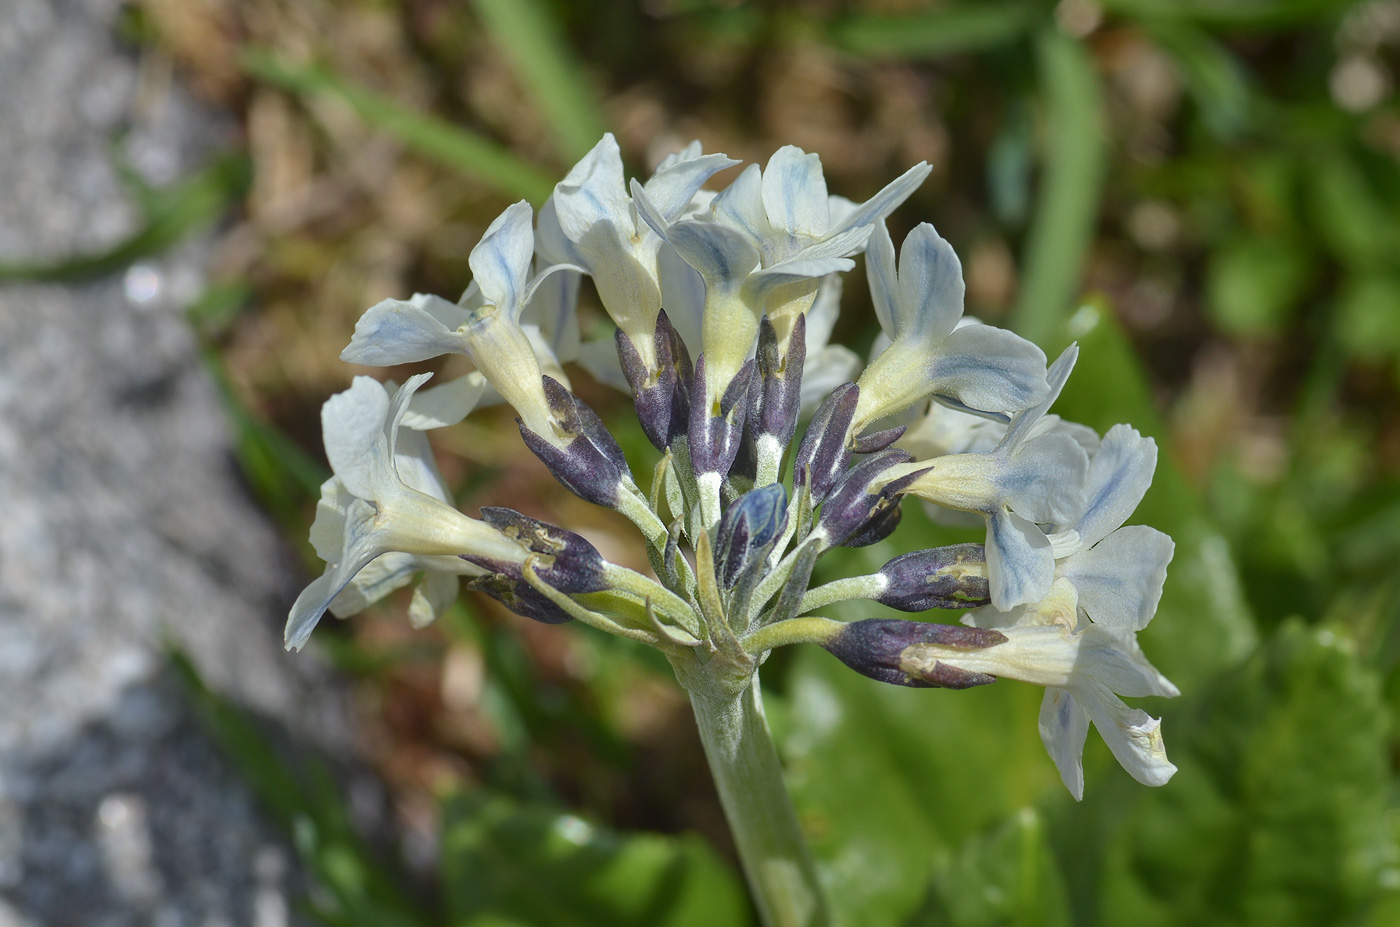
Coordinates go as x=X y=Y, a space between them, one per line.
x=1026 y=421
x=931 y=286
x=1119 y=475
x=886 y=201
x=1064 y=727
x=594 y=191
x=884 y=283
x=448 y=403
x=740 y=206
x=501 y=262
x=988 y=369
x=352 y=428
x=1120 y=579
x=794 y=193
x=1044 y=480
x=395 y=331
x=673 y=186
x=1020 y=565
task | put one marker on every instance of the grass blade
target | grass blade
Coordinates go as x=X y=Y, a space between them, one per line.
x=934 y=33
x=542 y=61
x=450 y=145
x=1062 y=228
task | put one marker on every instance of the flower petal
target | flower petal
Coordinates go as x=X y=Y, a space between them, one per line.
x=395 y=331
x=884 y=282
x=501 y=262
x=794 y=193
x=1119 y=475
x=1064 y=726
x=433 y=595
x=1132 y=735
x=1020 y=565
x=446 y=404
x=988 y=369
x=1120 y=578
x=886 y=201
x=930 y=295
x=352 y=427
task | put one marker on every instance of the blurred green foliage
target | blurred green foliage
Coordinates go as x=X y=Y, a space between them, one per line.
x=1281 y=617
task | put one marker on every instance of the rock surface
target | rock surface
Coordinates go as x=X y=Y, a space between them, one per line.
x=125 y=524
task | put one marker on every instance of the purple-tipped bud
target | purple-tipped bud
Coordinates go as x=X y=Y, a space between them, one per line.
x=873 y=441
x=777 y=399
x=750 y=528
x=591 y=465
x=714 y=438
x=940 y=577
x=517 y=596
x=662 y=395
x=855 y=515
x=568 y=562
x=823 y=455
x=875 y=648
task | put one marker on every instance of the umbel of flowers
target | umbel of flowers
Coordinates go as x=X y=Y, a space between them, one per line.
x=724 y=304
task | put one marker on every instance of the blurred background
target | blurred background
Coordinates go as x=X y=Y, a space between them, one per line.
x=1204 y=193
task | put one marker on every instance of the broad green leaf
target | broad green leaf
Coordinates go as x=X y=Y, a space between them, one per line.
x=505 y=862
x=1005 y=878
x=1282 y=812
x=1067 y=204
x=946 y=30
x=1368 y=315
x=1253 y=283
x=451 y=145
x=543 y=61
x=1353 y=219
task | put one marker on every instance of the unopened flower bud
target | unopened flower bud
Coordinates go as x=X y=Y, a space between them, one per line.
x=823 y=455
x=715 y=434
x=749 y=530
x=876 y=647
x=940 y=577
x=517 y=596
x=567 y=562
x=777 y=399
x=855 y=515
x=588 y=460
x=661 y=394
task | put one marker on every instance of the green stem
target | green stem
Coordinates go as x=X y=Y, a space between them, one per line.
x=761 y=816
x=810 y=630
x=842 y=590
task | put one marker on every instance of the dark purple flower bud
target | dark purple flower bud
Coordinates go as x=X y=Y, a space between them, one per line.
x=591 y=465
x=568 y=562
x=940 y=577
x=823 y=454
x=873 y=441
x=749 y=530
x=517 y=596
x=855 y=515
x=875 y=648
x=714 y=439
x=662 y=394
x=776 y=401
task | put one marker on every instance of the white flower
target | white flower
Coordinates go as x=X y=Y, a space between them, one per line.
x=1028 y=480
x=1085 y=667
x=600 y=224
x=371 y=510
x=976 y=367
x=485 y=325
x=767 y=241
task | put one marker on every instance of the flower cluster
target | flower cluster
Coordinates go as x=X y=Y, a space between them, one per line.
x=724 y=303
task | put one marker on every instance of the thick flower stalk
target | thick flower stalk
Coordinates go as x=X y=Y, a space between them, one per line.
x=724 y=304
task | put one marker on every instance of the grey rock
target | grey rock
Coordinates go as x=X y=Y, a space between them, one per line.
x=125 y=527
